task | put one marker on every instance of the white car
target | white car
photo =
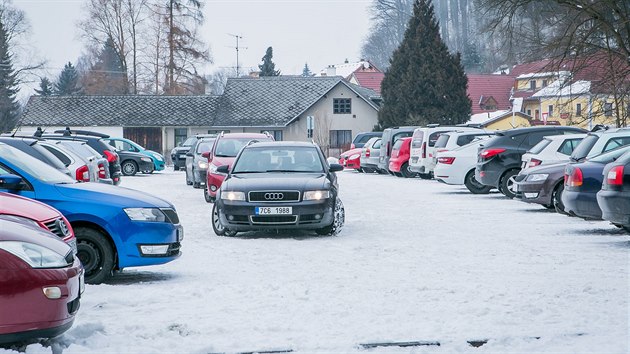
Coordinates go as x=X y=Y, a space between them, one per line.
x=453 y=140
x=552 y=149
x=458 y=167
x=423 y=147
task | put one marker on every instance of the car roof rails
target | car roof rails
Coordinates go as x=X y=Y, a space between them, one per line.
x=470 y=125
x=69 y=132
x=599 y=127
x=433 y=125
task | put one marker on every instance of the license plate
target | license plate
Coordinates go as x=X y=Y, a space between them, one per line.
x=182 y=156
x=274 y=210
x=180 y=233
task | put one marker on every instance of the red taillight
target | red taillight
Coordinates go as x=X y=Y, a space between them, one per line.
x=575 y=179
x=101 y=171
x=446 y=160
x=424 y=150
x=111 y=157
x=534 y=162
x=615 y=176
x=82 y=174
x=488 y=153
x=367 y=153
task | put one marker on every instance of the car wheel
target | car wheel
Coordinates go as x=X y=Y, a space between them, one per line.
x=206 y=196
x=406 y=172
x=425 y=175
x=339 y=219
x=368 y=170
x=129 y=168
x=508 y=183
x=196 y=185
x=381 y=172
x=474 y=186
x=95 y=253
x=218 y=228
x=175 y=168
x=556 y=198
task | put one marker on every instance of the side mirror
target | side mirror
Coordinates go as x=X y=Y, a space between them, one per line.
x=205 y=154
x=189 y=153
x=223 y=169
x=10 y=182
x=335 y=167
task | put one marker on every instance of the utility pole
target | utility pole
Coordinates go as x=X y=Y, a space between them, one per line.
x=237 y=37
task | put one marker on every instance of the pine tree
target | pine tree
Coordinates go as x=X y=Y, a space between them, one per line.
x=108 y=76
x=267 y=68
x=306 y=72
x=425 y=83
x=9 y=108
x=68 y=82
x=45 y=87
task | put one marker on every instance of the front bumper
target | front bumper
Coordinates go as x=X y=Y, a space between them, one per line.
x=158 y=165
x=134 y=234
x=179 y=159
x=146 y=167
x=534 y=192
x=581 y=204
x=214 y=182
x=615 y=206
x=199 y=176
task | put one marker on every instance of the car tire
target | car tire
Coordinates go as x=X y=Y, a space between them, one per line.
x=175 y=168
x=196 y=185
x=360 y=170
x=95 y=253
x=381 y=172
x=556 y=199
x=129 y=168
x=425 y=175
x=339 y=219
x=219 y=229
x=474 y=186
x=368 y=170
x=206 y=196
x=507 y=183
x=406 y=171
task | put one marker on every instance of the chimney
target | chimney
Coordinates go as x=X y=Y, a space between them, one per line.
x=331 y=70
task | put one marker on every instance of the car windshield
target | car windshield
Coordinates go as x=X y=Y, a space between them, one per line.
x=231 y=147
x=205 y=146
x=33 y=166
x=610 y=156
x=278 y=159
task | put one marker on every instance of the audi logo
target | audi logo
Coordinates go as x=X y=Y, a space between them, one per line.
x=274 y=196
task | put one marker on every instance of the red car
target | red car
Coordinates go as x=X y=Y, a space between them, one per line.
x=41 y=281
x=351 y=159
x=29 y=211
x=399 y=161
x=223 y=152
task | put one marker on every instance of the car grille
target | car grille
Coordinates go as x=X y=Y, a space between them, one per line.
x=58 y=227
x=274 y=219
x=274 y=196
x=171 y=215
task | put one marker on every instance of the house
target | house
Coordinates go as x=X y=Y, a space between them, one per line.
x=501 y=120
x=334 y=109
x=489 y=93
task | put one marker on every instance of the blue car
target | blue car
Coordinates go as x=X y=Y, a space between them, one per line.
x=123 y=144
x=115 y=227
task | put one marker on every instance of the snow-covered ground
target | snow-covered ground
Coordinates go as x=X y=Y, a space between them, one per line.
x=416 y=261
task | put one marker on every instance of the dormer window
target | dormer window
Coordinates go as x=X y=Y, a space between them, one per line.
x=532 y=84
x=544 y=83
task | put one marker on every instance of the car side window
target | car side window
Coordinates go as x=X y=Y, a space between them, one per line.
x=377 y=144
x=614 y=143
x=58 y=154
x=568 y=146
x=534 y=138
x=128 y=147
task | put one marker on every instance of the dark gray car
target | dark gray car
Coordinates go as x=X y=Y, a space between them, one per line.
x=197 y=165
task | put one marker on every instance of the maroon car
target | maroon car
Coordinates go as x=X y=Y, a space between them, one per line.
x=41 y=282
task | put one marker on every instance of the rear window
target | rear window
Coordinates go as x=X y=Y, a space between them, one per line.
x=362 y=139
x=417 y=139
x=441 y=141
x=568 y=146
x=582 y=150
x=398 y=144
x=540 y=146
x=610 y=156
x=468 y=138
x=377 y=144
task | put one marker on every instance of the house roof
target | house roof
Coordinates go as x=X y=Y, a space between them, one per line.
x=483 y=87
x=487 y=118
x=128 y=110
x=346 y=69
x=369 y=79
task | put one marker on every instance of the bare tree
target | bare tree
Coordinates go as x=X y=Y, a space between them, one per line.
x=136 y=11
x=321 y=132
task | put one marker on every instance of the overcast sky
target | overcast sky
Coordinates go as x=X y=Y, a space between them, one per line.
x=317 y=32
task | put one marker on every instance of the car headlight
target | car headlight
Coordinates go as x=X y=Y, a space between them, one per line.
x=202 y=164
x=145 y=214
x=146 y=159
x=20 y=219
x=231 y=195
x=537 y=177
x=316 y=195
x=35 y=255
x=354 y=156
x=157 y=156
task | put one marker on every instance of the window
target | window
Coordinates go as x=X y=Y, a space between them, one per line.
x=568 y=146
x=616 y=142
x=58 y=154
x=550 y=111
x=536 y=115
x=544 y=83
x=608 y=109
x=532 y=84
x=535 y=137
x=578 y=109
x=341 y=106
x=180 y=135
x=340 y=138
x=529 y=112
x=277 y=134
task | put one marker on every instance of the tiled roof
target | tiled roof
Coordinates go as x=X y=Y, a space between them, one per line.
x=129 y=110
x=482 y=87
x=371 y=80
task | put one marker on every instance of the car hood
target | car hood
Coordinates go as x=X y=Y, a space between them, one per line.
x=111 y=195
x=351 y=152
x=220 y=161
x=20 y=206
x=276 y=181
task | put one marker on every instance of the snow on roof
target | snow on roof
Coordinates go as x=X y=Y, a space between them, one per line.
x=346 y=69
x=544 y=74
x=481 y=118
x=559 y=89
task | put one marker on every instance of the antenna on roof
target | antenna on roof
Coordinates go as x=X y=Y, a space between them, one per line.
x=237 y=37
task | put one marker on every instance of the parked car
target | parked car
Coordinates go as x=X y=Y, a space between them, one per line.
x=582 y=181
x=361 y=138
x=32 y=147
x=223 y=152
x=543 y=185
x=196 y=164
x=399 y=161
x=389 y=137
x=134 y=162
x=82 y=149
x=600 y=141
x=423 y=147
x=40 y=286
x=122 y=144
x=30 y=211
x=81 y=169
x=351 y=159
x=279 y=185
x=613 y=198
x=178 y=154
x=115 y=227
x=369 y=155
x=499 y=159
x=452 y=140
x=458 y=167
x=95 y=141
x=551 y=150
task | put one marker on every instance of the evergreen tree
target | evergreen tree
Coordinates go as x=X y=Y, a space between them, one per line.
x=108 y=76
x=45 y=87
x=9 y=108
x=68 y=83
x=267 y=68
x=425 y=83
x=306 y=72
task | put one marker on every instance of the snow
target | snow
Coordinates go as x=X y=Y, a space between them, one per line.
x=481 y=118
x=560 y=88
x=416 y=261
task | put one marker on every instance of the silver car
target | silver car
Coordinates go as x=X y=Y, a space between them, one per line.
x=81 y=169
x=197 y=165
x=81 y=148
x=370 y=154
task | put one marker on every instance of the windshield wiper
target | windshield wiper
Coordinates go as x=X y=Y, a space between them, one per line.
x=217 y=155
x=239 y=172
x=281 y=171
